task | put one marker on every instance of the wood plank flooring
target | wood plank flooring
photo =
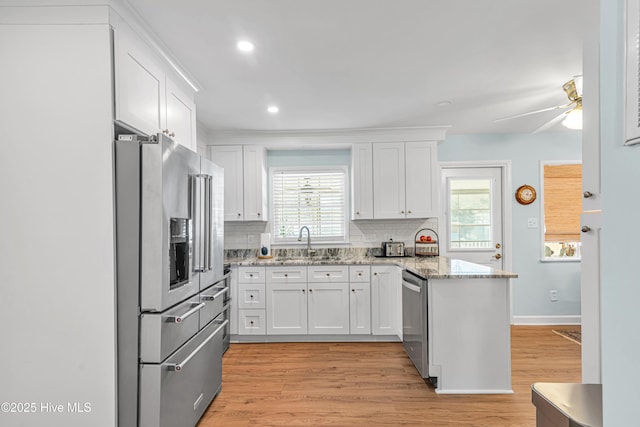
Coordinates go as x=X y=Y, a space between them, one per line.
x=375 y=384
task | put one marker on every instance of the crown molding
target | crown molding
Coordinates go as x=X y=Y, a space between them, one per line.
x=326 y=138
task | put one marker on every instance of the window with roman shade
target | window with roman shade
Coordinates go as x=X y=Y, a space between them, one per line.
x=313 y=197
x=562 y=209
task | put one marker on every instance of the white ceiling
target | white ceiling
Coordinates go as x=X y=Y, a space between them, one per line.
x=333 y=64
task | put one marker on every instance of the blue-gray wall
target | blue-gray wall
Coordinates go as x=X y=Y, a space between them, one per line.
x=620 y=290
x=536 y=278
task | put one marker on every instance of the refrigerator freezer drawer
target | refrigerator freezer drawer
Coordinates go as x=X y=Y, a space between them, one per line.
x=177 y=392
x=163 y=333
x=213 y=298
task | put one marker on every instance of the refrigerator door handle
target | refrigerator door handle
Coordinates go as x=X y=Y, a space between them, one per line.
x=216 y=296
x=198 y=221
x=193 y=310
x=177 y=367
x=209 y=216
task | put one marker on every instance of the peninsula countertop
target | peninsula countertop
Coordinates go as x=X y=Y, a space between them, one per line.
x=438 y=267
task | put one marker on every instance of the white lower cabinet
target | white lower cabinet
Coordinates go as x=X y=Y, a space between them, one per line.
x=386 y=310
x=251 y=322
x=328 y=308
x=248 y=298
x=360 y=299
x=313 y=300
x=286 y=308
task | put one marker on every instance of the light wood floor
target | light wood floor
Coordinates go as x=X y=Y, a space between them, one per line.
x=360 y=384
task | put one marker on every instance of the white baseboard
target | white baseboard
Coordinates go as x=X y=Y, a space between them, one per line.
x=547 y=320
x=474 y=391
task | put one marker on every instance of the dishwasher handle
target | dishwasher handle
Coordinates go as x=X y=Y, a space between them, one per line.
x=411 y=287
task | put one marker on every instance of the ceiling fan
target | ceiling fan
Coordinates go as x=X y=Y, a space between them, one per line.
x=572 y=118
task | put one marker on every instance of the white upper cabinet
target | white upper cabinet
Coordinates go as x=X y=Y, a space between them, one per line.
x=149 y=97
x=362 y=181
x=245 y=181
x=394 y=180
x=421 y=178
x=181 y=115
x=255 y=183
x=229 y=157
x=388 y=181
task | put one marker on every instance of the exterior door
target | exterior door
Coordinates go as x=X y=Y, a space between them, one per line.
x=473 y=209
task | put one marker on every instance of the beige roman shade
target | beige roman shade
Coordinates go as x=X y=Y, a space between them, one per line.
x=562 y=202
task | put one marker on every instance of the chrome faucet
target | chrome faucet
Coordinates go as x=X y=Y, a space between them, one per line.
x=304 y=227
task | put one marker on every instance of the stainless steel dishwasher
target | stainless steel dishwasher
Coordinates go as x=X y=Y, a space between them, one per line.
x=415 y=333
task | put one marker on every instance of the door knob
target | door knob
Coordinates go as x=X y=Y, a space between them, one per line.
x=498 y=245
x=497 y=256
x=585 y=229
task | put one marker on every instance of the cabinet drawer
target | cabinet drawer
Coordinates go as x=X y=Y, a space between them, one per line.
x=162 y=333
x=329 y=274
x=287 y=275
x=174 y=397
x=250 y=296
x=251 y=275
x=252 y=322
x=359 y=273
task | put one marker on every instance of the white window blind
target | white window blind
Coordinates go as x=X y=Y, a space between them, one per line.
x=312 y=197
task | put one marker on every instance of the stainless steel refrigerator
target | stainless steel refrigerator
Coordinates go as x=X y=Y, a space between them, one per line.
x=170 y=282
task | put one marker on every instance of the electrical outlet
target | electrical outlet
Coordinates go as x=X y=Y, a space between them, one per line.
x=532 y=223
x=553 y=295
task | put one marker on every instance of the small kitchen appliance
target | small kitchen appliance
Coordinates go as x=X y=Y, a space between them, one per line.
x=391 y=248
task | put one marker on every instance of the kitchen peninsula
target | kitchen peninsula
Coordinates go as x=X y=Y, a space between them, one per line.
x=468 y=308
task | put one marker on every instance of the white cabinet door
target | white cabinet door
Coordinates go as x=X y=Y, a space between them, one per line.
x=286 y=308
x=328 y=308
x=385 y=305
x=421 y=179
x=360 y=308
x=229 y=157
x=181 y=115
x=255 y=183
x=388 y=180
x=140 y=85
x=362 y=181
x=251 y=296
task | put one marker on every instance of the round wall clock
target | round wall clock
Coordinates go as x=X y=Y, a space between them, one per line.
x=525 y=194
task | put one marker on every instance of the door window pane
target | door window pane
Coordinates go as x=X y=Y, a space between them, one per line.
x=470 y=213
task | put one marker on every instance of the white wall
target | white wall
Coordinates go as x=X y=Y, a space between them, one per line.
x=57 y=307
x=535 y=278
x=620 y=293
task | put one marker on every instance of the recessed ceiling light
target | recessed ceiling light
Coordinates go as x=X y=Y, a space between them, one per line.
x=443 y=104
x=245 y=46
x=273 y=109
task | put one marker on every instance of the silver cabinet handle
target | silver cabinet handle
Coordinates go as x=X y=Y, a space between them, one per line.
x=409 y=212
x=310 y=291
x=353 y=290
x=239 y=215
x=286 y=275
x=194 y=309
x=411 y=287
x=215 y=296
x=172 y=134
x=585 y=229
x=177 y=367
x=402 y=212
x=258 y=213
x=360 y=274
x=328 y=275
x=587 y=194
x=357 y=213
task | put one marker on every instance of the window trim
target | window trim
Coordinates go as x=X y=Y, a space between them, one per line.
x=323 y=243
x=544 y=163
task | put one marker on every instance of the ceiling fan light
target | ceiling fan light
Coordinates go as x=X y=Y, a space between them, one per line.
x=573 y=119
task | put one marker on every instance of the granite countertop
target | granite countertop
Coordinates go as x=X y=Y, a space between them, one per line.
x=438 y=267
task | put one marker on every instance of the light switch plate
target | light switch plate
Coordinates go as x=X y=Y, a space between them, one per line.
x=532 y=223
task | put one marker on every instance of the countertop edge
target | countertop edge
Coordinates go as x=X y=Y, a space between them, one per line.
x=421 y=266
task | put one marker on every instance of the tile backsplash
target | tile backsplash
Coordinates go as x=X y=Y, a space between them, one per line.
x=362 y=233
